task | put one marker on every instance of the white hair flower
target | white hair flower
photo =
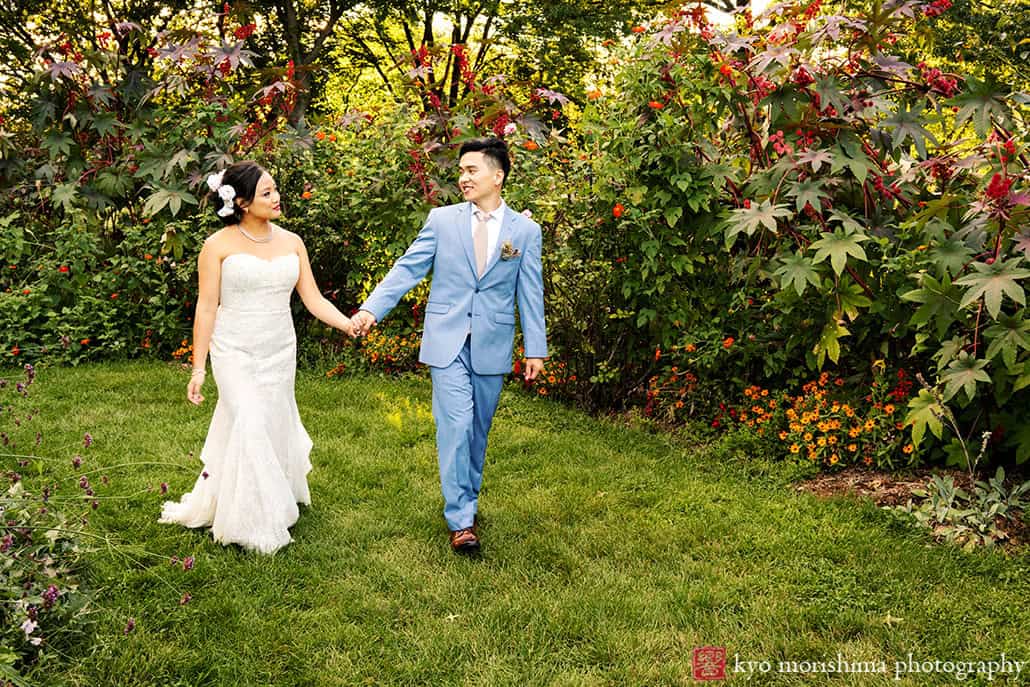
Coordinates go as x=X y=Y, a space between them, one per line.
x=215 y=180
x=227 y=193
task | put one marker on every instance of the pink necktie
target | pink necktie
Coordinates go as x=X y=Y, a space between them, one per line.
x=479 y=240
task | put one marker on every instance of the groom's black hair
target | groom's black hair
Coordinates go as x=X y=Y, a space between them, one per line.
x=243 y=176
x=493 y=149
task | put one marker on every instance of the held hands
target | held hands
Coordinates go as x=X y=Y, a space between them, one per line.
x=363 y=322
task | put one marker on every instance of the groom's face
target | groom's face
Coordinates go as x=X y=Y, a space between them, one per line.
x=480 y=178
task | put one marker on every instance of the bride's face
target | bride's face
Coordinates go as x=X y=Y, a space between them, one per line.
x=265 y=205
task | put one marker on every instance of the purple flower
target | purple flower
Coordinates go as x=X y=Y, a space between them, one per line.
x=164 y=487
x=187 y=563
x=105 y=480
x=186 y=598
x=204 y=474
x=39 y=438
x=83 y=482
x=87 y=440
x=76 y=461
x=50 y=597
x=46 y=494
x=29 y=626
x=95 y=504
x=129 y=626
x=6 y=543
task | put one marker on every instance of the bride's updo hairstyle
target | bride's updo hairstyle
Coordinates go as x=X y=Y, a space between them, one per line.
x=242 y=177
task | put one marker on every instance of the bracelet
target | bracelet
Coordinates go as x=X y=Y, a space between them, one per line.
x=201 y=372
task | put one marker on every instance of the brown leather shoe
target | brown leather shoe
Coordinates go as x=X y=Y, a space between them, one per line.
x=464 y=541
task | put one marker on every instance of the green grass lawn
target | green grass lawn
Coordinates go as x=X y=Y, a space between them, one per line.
x=609 y=554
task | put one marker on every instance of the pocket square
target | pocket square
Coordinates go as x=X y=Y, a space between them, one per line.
x=509 y=252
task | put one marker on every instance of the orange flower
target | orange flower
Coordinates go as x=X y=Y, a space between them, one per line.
x=85 y=342
x=908 y=449
x=332 y=137
x=728 y=342
x=690 y=348
x=638 y=29
x=852 y=447
x=530 y=145
x=794 y=448
x=306 y=195
x=26 y=291
x=15 y=350
x=148 y=256
x=655 y=105
x=889 y=408
x=320 y=135
x=594 y=94
x=834 y=459
x=618 y=210
x=657 y=353
x=725 y=69
x=114 y=296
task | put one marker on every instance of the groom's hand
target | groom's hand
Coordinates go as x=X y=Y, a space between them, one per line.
x=533 y=367
x=363 y=322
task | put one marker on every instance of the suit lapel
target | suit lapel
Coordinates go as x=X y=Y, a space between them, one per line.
x=505 y=235
x=465 y=235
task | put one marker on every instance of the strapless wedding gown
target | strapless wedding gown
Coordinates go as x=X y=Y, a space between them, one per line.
x=256 y=455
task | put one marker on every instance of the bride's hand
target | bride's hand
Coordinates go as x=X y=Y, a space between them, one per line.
x=349 y=329
x=193 y=394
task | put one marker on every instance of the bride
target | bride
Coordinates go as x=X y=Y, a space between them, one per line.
x=256 y=452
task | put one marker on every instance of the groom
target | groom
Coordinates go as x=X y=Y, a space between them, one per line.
x=484 y=258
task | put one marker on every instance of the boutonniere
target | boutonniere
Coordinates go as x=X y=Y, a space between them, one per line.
x=509 y=252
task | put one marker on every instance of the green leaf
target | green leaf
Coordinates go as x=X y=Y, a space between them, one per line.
x=57 y=143
x=1007 y=336
x=748 y=220
x=106 y=124
x=808 y=191
x=797 y=270
x=837 y=247
x=963 y=374
x=950 y=256
x=829 y=342
x=851 y=298
x=939 y=300
x=925 y=412
x=64 y=195
x=908 y=123
x=980 y=103
x=170 y=198
x=829 y=91
x=992 y=282
x=673 y=214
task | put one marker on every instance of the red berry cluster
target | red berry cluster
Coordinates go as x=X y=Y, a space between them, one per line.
x=998 y=187
x=938 y=81
x=937 y=8
x=779 y=145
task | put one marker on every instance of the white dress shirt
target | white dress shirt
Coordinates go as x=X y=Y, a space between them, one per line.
x=493 y=225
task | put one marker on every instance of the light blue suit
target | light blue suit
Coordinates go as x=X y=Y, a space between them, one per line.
x=469 y=334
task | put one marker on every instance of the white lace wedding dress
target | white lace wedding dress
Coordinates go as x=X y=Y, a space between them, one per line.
x=256 y=453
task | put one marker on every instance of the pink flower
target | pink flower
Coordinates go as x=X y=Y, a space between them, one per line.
x=510 y=128
x=527 y=213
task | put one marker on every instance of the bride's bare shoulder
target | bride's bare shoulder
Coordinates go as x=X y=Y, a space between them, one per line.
x=218 y=243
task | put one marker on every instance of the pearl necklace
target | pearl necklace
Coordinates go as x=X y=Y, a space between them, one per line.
x=268 y=237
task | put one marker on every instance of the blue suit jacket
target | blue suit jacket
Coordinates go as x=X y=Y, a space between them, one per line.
x=460 y=302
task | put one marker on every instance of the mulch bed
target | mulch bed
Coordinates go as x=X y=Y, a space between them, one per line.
x=888 y=489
